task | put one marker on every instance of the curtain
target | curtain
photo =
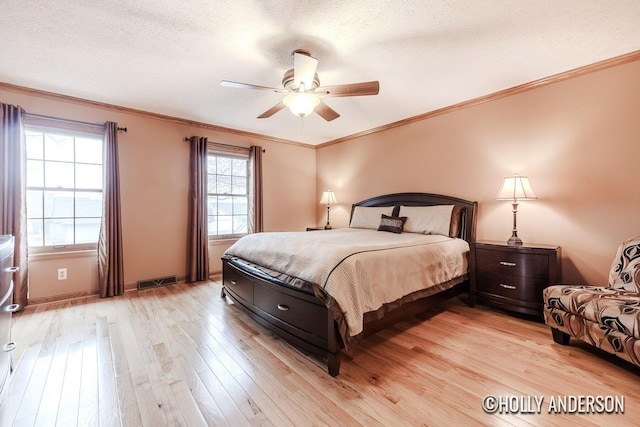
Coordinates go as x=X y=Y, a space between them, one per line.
x=110 y=265
x=197 y=235
x=13 y=194
x=256 y=222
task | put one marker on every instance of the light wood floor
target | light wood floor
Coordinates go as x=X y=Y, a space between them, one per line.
x=181 y=356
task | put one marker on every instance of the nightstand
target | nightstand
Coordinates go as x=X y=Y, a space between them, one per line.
x=315 y=228
x=512 y=277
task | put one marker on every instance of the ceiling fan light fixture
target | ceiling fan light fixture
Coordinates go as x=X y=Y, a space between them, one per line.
x=301 y=103
x=302 y=86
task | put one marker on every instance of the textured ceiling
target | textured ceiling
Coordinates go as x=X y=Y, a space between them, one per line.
x=168 y=57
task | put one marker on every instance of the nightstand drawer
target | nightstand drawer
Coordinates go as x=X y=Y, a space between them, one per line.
x=514 y=264
x=516 y=287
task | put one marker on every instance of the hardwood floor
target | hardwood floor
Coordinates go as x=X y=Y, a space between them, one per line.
x=182 y=356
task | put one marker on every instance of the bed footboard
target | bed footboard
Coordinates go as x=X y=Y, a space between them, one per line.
x=298 y=317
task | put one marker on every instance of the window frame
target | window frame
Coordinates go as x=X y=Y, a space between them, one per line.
x=76 y=130
x=212 y=150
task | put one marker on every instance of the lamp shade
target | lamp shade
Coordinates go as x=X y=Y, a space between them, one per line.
x=516 y=188
x=301 y=103
x=328 y=198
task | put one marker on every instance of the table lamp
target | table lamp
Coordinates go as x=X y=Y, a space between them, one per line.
x=328 y=198
x=515 y=188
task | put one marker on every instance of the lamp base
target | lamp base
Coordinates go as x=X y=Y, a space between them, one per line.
x=514 y=240
x=328 y=227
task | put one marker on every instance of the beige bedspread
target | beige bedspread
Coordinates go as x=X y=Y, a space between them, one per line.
x=361 y=269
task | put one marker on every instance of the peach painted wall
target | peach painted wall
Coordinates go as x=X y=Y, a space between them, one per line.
x=577 y=140
x=154 y=162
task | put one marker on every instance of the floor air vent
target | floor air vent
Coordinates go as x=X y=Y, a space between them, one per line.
x=160 y=281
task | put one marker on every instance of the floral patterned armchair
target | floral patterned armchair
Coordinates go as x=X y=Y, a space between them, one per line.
x=606 y=317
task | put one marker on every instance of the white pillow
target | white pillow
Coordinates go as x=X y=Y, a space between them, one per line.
x=369 y=217
x=427 y=219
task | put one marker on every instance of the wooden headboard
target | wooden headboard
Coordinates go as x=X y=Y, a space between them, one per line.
x=467 y=208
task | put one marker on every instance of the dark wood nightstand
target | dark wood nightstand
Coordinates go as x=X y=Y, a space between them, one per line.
x=315 y=228
x=512 y=277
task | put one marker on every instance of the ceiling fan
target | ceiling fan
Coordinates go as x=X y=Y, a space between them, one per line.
x=302 y=86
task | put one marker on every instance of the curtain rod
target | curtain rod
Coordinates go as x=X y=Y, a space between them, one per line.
x=220 y=144
x=58 y=119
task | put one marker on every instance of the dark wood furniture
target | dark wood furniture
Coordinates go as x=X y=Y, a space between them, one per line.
x=512 y=277
x=6 y=308
x=301 y=318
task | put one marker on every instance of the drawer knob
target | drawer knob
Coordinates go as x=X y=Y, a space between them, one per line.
x=233 y=282
x=507 y=286
x=13 y=269
x=10 y=346
x=283 y=307
x=508 y=264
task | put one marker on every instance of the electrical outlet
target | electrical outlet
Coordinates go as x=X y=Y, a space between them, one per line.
x=62 y=274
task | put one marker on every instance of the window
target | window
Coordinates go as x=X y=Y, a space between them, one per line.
x=228 y=194
x=64 y=187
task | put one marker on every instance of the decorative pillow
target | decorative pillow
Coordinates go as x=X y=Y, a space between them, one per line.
x=625 y=269
x=393 y=224
x=456 y=219
x=427 y=219
x=369 y=217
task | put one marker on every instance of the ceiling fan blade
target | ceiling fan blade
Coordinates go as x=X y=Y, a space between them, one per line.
x=304 y=69
x=237 y=85
x=271 y=111
x=352 y=89
x=326 y=112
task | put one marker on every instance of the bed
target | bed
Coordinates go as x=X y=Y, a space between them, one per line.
x=324 y=291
